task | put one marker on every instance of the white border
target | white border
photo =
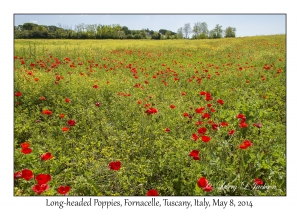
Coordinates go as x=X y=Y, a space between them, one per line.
x=154 y=6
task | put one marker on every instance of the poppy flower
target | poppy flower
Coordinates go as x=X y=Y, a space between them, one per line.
x=67 y=100
x=63 y=189
x=152 y=192
x=47 y=112
x=206 y=116
x=172 y=106
x=231 y=132
x=17 y=175
x=167 y=129
x=202 y=93
x=202 y=182
x=183 y=93
x=224 y=124
x=208 y=188
x=202 y=131
x=43 y=178
x=245 y=144
x=27 y=174
x=195 y=154
x=258 y=181
x=151 y=111
x=214 y=126
x=198 y=123
x=61 y=116
x=71 y=122
x=258 y=125
x=209 y=105
x=199 y=110
x=220 y=101
x=46 y=156
x=195 y=137
x=26 y=150
x=18 y=94
x=25 y=145
x=205 y=138
x=42 y=98
x=97 y=104
x=39 y=188
x=243 y=125
x=65 y=129
x=140 y=102
x=115 y=165
x=36 y=79
x=95 y=86
x=185 y=114
x=241 y=116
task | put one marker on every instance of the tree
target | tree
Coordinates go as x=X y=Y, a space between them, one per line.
x=218 y=31
x=196 y=29
x=230 y=32
x=187 y=30
x=180 y=33
x=156 y=35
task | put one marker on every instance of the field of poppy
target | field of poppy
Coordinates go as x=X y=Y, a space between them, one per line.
x=144 y=117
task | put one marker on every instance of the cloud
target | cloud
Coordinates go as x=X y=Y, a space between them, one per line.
x=33 y=21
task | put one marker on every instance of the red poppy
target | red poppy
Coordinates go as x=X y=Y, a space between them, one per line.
x=67 y=100
x=241 y=116
x=17 y=175
x=185 y=114
x=36 y=79
x=46 y=156
x=206 y=116
x=202 y=182
x=18 y=94
x=63 y=189
x=220 y=101
x=167 y=130
x=71 y=122
x=140 y=102
x=195 y=154
x=208 y=188
x=172 y=106
x=243 y=125
x=43 y=178
x=25 y=145
x=214 y=126
x=231 y=132
x=47 y=112
x=224 y=124
x=202 y=131
x=258 y=125
x=42 y=98
x=151 y=111
x=212 y=110
x=27 y=174
x=26 y=150
x=115 y=165
x=202 y=93
x=65 y=129
x=39 y=188
x=152 y=192
x=258 y=181
x=245 y=144
x=199 y=123
x=195 y=137
x=183 y=93
x=199 y=110
x=95 y=86
x=61 y=116
x=97 y=104
x=205 y=138
x=209 y=105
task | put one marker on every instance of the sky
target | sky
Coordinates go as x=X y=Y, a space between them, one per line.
x=245 y=24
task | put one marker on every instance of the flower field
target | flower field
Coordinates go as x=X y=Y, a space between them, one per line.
x=144 y=117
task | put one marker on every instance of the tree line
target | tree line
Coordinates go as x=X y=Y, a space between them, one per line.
x=115 y=31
